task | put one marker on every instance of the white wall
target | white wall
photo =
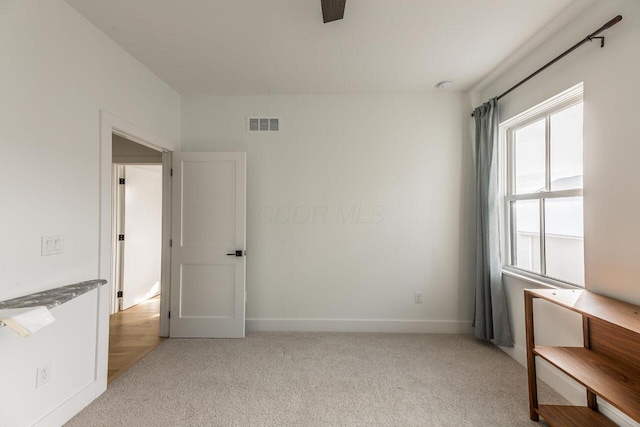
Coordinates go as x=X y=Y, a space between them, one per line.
x=58 y=72
x=611 y=150
x=69 y=344
x=354 y=205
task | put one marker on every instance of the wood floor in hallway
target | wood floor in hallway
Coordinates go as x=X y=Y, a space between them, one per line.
x=133 y=333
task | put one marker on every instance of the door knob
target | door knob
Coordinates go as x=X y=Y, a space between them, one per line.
x=237 y=253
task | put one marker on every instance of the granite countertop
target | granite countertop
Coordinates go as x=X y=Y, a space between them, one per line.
x=51 y=297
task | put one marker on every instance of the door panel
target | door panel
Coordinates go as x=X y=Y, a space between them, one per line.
x=203 y=179
x=143 y=234
x=208 y=222
x=208 y=290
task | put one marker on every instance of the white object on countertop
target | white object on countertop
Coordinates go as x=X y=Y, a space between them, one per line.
x=27 y=321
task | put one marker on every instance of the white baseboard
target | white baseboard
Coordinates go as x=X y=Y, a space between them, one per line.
x=360 y=325
x=568 y=388
x=69 y=408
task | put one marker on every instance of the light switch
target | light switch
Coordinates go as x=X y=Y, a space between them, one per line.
x=52 y=245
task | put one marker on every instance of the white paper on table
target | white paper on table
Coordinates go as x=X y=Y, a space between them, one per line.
x=27 y=321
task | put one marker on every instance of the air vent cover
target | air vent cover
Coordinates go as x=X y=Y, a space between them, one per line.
x=255 y=124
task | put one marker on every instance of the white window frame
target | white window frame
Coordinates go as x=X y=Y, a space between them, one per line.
x=506 y=132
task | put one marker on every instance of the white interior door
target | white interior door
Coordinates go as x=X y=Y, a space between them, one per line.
x=208 y=227
x=143 y=234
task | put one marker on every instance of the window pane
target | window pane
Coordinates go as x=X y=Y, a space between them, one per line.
x=527 y=240
x=566 y=149
x=564 y=239
x=529 y=145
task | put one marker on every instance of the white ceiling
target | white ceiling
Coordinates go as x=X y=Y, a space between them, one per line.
x=255 y=47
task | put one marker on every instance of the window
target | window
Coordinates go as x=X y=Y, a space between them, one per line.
x=542 y=186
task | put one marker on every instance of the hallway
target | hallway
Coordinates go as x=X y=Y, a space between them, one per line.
x=133 y=333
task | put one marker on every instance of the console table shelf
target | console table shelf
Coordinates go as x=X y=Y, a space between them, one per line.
x=573 y=416
x=608 y=365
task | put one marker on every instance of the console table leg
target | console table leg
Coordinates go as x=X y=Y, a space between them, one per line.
x=531 y=361
x=592 y=401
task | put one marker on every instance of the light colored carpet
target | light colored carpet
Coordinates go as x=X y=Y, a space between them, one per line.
x=319 y=379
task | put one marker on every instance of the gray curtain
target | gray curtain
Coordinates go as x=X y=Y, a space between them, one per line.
x=490 y=315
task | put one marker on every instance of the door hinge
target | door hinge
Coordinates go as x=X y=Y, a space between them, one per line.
x=119 y=294
x=172 y=172
x=120 y=237
x=169 y=314
x=170 y=243
x=121 y=181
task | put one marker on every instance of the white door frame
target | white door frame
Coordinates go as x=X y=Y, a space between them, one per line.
x=110 y=124
x=117 y=212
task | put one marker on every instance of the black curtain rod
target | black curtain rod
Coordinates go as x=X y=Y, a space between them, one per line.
x=589 y=38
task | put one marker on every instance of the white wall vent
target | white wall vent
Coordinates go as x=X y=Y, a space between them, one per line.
x=255 y=124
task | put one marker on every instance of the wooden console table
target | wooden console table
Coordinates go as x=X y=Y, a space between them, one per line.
x=608 y=365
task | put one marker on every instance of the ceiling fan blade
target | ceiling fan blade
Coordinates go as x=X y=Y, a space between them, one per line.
x=332 y=10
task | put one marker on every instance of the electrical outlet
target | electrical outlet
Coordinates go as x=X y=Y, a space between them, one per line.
x=43 y=374
x=418 y=298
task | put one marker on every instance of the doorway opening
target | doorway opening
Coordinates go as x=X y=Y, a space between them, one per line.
x=137 y=223
x=136 y=270
x=111 y=124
